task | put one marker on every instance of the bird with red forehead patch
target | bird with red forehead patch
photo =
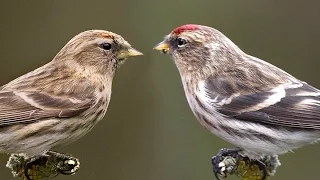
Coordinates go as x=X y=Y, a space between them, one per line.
x=184 y=35
x=187 y=27
x=244 y=100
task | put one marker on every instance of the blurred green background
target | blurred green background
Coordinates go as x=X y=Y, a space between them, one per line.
x=149 y=132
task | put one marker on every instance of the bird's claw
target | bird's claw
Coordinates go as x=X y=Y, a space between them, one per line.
x=67 y=165
x=217 y=161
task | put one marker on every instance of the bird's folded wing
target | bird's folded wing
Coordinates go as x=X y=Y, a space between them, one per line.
x=295 y=104
x=18 y=107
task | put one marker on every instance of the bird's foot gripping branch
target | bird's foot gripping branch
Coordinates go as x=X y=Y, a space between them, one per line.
x=41 y=167
x=228 y=161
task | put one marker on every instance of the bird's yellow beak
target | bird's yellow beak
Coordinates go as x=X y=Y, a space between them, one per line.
x=163 y=47
x=129 y=53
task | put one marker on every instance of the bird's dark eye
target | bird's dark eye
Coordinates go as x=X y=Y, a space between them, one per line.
x=106 y=46
x=181 y=42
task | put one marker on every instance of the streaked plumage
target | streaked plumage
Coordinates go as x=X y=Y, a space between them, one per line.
x=62 y=100
x=240 y=98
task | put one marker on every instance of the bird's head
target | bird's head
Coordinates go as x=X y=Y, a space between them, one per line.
x=100 y=50
x=195 y=47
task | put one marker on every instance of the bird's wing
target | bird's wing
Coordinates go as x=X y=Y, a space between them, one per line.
x=294 y=104
x=18 y=107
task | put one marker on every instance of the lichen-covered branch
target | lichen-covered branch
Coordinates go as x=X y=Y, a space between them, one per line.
x=248 y=169
x=42 y=167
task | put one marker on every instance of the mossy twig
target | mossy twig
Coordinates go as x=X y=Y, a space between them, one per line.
x=42 y=167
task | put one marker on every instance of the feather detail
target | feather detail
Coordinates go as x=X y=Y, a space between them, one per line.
x=25 y=107
x=295 y=104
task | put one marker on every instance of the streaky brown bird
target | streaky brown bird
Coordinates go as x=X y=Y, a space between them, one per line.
x=64 y=99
